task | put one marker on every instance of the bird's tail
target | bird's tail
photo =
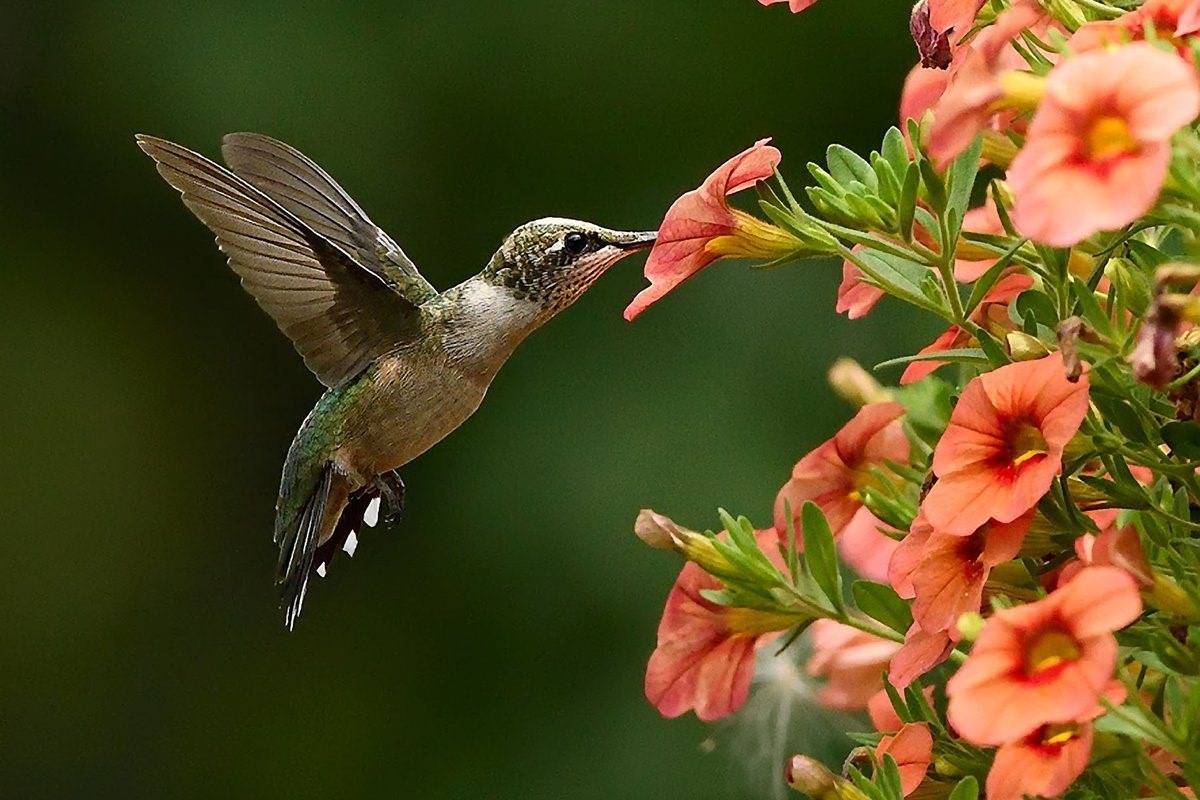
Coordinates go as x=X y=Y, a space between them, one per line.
x=301 y=528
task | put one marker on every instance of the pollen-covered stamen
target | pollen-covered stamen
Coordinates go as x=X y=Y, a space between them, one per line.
x=1110 y=137
x=1049 y=649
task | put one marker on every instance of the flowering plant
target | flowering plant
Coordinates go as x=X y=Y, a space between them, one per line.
x=998 y=558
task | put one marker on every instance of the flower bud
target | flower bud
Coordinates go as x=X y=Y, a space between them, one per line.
x=1023 y=347
x=814 y=779
x=970 y=625
x=657 y=530
x=855 y=384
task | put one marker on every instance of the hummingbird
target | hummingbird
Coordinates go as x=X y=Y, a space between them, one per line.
x=403 y=364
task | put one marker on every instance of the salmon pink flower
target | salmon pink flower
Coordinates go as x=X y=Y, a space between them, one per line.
x=1114 y=547
x=991 y=314
x=834 y=476
x=1099 y=145
x=954 y=17
x=705 y=654
x=971 y=261
x=1046 y=662
x=944 y=575
x=796 y=5
x=922 y=651
x=989 y=75
x=1043 y=763
x=912 y=750
x=701 y=227
x=922 y=88
x=1171 y=21
x=1003 y=445
x=851 y=661
x=855 y=297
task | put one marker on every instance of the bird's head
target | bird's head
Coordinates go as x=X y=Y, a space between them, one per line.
x=552 y=261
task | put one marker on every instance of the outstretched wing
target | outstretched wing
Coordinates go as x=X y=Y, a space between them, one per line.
x=296 y=182
x=340 y=313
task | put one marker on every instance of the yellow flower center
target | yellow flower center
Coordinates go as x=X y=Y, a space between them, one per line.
x=1059 y=734
x=1049 y=649
x=1110 y=137
x=1027 y=443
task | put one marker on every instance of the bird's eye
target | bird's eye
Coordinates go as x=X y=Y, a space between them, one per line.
x=575 y=243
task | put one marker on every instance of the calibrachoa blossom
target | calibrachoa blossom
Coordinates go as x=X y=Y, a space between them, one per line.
x=1043 y=763
x=701 y=227
x=1032 y=512
x=835 y=474
x=705 y=655
x=989 y=75
x=1004 y=444
x=1047 y=662
x=944 y=575
x=1098 y=147
x=851 y=661
x=912 y=750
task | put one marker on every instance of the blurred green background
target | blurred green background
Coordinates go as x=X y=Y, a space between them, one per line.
x=493 y=644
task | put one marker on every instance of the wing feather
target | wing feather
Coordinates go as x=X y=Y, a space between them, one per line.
x=298 y=184
x=340 y=313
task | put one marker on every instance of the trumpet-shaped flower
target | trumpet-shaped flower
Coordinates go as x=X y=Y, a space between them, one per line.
x=1043 y=763
x=1171 y=20
x=851 y=661
x=1003 y=445
x=989 y=75
x=912 y=750
x=1046 y=662
x=922 y=651
x=944 y=575
x=834 y=476
x=1099 y=145
x=705 y=654
x=701 y=227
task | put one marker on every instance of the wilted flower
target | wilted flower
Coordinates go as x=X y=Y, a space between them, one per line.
x=701 y=227
x=705 y=654
x=1046 y=662
x=1155 y=357
x=933 y=45
x=1099 y=145
x=851 y=661
x=1003 y=446
x=912 y=750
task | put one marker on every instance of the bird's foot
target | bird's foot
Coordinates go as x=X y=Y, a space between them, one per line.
x=391 y=491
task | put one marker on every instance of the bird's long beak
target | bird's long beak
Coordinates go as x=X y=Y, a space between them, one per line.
x=632 y=240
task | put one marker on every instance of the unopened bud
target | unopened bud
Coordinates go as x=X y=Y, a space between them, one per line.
x=854 y=384
x=657 y=530
x=1167 y=595
x=970 y=625
x=814 y=779
x=998 y=149
x=698 y=548
x=1022 y=90
x=1023 y=347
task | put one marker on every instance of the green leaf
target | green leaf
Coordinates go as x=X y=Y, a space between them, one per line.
x=889 y=179
x=988 y=279
x=887 y=776
x=935 y=190
x=899 y=276
x=895 y=150
x=845 y=165
x=967 y=789
x=991 y=348
x=1117 y=410
x=1090 y=308
x=1035 y=307
x=907 y=207
x=961 y=178
x=1183 y=438
x=965 y=355
x=881 y=603
x=821 y=555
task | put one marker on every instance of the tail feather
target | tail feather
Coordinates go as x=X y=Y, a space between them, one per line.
x=297 y=548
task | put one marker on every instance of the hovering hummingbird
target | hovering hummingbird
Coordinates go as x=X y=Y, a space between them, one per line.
x=404 y=364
